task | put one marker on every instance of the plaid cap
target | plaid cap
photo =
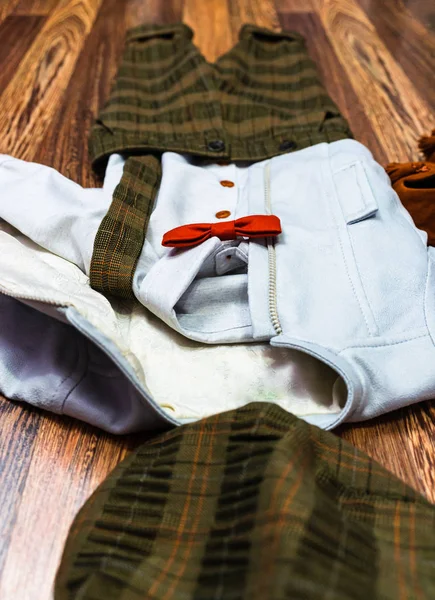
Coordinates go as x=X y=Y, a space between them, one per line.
x=261 y=99
x=253 y=503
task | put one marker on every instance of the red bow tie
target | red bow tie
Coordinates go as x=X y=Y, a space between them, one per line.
x=252 y=226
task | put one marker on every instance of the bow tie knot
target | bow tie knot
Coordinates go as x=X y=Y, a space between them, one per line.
x=252 y=226
x=224 y=230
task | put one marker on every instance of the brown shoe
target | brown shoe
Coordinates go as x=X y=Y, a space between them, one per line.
x=415 y=185
x=427 y=146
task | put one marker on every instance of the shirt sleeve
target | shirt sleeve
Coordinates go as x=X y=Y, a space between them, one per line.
x=53 y=211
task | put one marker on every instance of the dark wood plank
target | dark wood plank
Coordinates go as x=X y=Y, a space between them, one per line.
x=153 y=11
x=408 y=40
x=335 y=78
x=423 y=10
x=19 y=427
x=37 y=86
x=296 y=6
x=260 y=12
x=171 y=11
x=211 y=24
x=65 y=145
x=397 y=111
x=48 y=477
x=35 y=7
x=16 y=37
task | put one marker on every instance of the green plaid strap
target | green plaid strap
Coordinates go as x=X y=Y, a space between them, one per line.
x=121 y=235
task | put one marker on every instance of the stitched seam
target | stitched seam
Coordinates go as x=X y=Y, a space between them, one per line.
x=350 y=383
x=417 y=337
x=219 y=331
x=344 y=168
x=360 y=215
x=425 y=299
x=354 y=166
x=71 y=391
x=357 y=214
x=359 y=184
x=351 y=241
x=123 y=363
x=8 y=159
x=360 y=278
x=341 y=246
x=77 y=363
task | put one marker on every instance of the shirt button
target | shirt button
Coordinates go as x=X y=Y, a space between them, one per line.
x=216 y=146
x=287 y=145
x=222 y=214
x=226 y=183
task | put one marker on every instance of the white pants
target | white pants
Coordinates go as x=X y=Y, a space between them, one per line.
x=349 y=311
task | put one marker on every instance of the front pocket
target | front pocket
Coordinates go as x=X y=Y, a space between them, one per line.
x=185 y=291
x=357 y=204
x=355 y=194
x=384 y=254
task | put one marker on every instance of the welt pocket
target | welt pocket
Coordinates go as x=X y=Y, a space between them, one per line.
x=355 y=194
x=145 y=33
x=101 y=123
x=329 y=118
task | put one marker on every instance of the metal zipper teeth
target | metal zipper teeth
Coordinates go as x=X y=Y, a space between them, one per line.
x=270 y=241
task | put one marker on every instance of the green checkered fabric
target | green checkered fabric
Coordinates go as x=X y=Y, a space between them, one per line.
x=261 y=99
x=250 y=504
x=121 y=234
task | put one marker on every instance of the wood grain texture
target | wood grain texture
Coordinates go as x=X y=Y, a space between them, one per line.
x=35 y=7
x=16 y=34
x=37 y=86
x=65 y=145
x=335 y=78
x=153 y=11
x=7 y=7
x=46 y=496
x=19 y=429
x=297 y=6
x=423 y=10
x=409 y=41
x=54 y=77
x=398 y=113
x=211 y=23
x=259 y=12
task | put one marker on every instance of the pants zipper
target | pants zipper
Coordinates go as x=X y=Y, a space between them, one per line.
x=270 y=241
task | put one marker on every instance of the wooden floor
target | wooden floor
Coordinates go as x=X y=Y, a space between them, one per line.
x=377 y=59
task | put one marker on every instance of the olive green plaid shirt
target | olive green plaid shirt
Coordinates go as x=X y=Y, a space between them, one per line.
x=250 y=504
x=261 y=99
